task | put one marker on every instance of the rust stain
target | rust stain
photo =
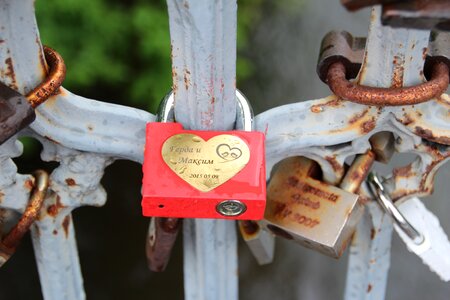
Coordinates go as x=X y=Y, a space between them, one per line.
x=317 y=108
x=249 y=227
x=292 y=181
x=439 y=153
x=369 y=288
x=368 y=126
x=337 y=167
x=405 y=171
x=358 y=116
x=363 y=200
x=55 y=232
x=51 y=140
x=10 y=73
x=29 y=184
x=70 y=182
x=65 y=224
x=424 y=53
x=407 y=120
x=428 y=134
x=372 y=233
x=54 y=209
x=175 y=80
x=397 y=78
x=187 y=81
x=334 y=102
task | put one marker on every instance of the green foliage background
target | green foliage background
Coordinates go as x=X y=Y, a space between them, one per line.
x=120 y=50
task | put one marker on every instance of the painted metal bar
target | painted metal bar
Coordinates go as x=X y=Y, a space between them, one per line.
x=394 y=57
x=203 y=38
x=57 y=259
x=74 y=183
x=370 y=254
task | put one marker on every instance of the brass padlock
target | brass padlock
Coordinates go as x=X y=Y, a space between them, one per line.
x=315 y=214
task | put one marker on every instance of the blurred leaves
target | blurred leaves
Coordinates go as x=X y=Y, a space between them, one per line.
x=121 y=49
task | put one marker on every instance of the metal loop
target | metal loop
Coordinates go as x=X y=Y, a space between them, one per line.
x=53 y=81
x=12 y=239
x=339 y=85
x=244 y=113
x=389 y=207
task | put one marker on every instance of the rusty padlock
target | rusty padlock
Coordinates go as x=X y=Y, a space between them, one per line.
x=313 y=213
x=204 y=174
x=11 y=240
x=16 y=110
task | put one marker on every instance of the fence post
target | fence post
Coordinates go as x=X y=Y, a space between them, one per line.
x=203 y=39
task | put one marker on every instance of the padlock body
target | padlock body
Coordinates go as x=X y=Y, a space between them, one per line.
x=182 y=169
x=313 y=213
x=15 y=112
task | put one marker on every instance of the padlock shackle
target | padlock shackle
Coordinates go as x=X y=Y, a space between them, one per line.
x=12 y=239
x=390 y=209
x=244 y=112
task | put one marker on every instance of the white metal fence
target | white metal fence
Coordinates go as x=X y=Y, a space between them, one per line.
x=84 y=136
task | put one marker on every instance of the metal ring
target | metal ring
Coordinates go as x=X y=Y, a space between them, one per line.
x=244 y=113
x=339 y=85
x=15 y=235
x=389 y=207
x=53 y=81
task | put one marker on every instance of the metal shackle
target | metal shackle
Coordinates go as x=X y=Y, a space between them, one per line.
x=11 y=240
x=244 y=112
x=389 y=207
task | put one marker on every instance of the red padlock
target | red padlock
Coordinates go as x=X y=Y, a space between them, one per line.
x=204 y=174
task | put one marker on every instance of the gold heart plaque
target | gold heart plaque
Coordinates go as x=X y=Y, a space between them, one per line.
x=205 y=164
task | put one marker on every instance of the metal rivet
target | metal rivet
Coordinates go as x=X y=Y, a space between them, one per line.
x=230 y=208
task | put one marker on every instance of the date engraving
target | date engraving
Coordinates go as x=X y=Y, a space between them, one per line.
x=205 y=165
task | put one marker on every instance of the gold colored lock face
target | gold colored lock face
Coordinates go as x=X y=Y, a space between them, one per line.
x=313 y=213
x=205 y=165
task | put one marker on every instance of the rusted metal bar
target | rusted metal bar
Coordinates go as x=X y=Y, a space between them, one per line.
x=53 y=81
x=409 y=13
x=336 y=79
